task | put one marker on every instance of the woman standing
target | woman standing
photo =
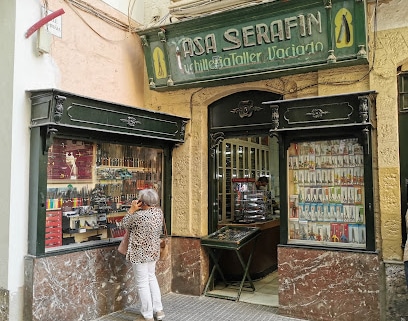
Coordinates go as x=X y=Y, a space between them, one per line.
x=144 y=220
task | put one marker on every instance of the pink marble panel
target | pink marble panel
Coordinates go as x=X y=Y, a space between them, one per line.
x=83 y=285
x=189 y=266
x=328 y=285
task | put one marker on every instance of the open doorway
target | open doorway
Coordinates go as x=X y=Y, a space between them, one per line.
x=245 y=192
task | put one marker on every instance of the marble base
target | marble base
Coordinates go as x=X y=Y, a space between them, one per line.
x=4 y=305
x=328 y=285
x=396 y=295
x=189 y=266
x=83 y=285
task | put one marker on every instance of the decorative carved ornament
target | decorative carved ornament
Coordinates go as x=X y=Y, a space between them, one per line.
x=59 y=108
x=131 y=121
x=317 y=113
x=215 y=140
x=245 y=108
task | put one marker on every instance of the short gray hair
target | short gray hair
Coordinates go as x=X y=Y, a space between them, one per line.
x=149 y=196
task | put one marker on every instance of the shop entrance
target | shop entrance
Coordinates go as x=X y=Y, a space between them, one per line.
x=403 y=152
x=244 y=190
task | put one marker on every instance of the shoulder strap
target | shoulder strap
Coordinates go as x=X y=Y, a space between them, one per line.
x=164 y=227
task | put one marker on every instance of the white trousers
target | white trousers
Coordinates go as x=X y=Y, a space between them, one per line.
x=147 y=288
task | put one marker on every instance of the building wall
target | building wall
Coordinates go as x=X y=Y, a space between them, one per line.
x=383 y=79
x=92 y=58
x=387 y=35
x=391 y=52
x=95 y=59
x=7 y=27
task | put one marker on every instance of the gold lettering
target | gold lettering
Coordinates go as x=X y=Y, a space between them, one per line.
x=277 y=30
x=231 y=36
x=246 y=33
x=262 y=34
x=302 y=25
x=210 y=43
x=199 y=49
x=187 y=45
x=290 y=22
x=311 y=19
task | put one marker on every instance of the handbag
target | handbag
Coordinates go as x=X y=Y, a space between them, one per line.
x=164 y=246
x=123 y=246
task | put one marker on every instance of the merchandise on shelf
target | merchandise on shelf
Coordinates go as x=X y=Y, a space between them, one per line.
x=326 y=193
x=251 y=205
x=90 y=186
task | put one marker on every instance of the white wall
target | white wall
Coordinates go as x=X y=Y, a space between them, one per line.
x=7 y=23
x=156 y=12
x=134 y=7
x=21 y=69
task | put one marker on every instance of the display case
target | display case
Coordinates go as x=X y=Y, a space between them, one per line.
x=231 y=239
x=242 y=160
x=250 y=205
x=90 y=186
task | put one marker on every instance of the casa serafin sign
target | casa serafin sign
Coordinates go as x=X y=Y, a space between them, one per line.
x=256 y=42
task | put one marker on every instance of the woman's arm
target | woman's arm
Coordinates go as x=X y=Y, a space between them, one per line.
x=129 y=218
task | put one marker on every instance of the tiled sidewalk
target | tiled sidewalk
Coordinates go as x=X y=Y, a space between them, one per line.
x=180 y=307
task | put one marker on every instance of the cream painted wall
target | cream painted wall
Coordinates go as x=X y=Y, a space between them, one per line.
x=156 y=13
x=391 y=52
x=392 y=15
x=190 y=165
x=24 y=70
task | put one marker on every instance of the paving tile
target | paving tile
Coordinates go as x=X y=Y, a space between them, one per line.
x=178 y=307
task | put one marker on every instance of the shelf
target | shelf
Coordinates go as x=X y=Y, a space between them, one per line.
x=117 y=214
x=140 y=169
x=82 y=230
x=69 y=181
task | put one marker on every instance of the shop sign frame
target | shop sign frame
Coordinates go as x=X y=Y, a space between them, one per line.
x=256 y=42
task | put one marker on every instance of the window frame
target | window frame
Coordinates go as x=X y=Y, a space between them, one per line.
x=56 y=113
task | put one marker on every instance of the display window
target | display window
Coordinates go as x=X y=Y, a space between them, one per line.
x=326 y=203
x=90 y=185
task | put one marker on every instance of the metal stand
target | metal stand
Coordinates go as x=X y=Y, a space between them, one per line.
x=215 y=251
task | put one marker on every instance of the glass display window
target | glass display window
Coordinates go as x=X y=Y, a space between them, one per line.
x=90 y=186
x=240 y=162
x=326 y=193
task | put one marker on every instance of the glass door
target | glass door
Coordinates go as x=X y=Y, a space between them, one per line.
x=244 y=158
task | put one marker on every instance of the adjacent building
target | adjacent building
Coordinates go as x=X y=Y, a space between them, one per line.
x=198 y=101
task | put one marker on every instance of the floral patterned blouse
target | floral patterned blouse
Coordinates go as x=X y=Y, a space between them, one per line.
x=145 y=227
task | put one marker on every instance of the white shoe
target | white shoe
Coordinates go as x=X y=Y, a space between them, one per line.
x=160 y=315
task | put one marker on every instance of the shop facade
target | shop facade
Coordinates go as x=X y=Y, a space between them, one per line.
x=330 y=79
x=338 y=101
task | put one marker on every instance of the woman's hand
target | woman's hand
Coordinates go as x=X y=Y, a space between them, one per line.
x=135 y=206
